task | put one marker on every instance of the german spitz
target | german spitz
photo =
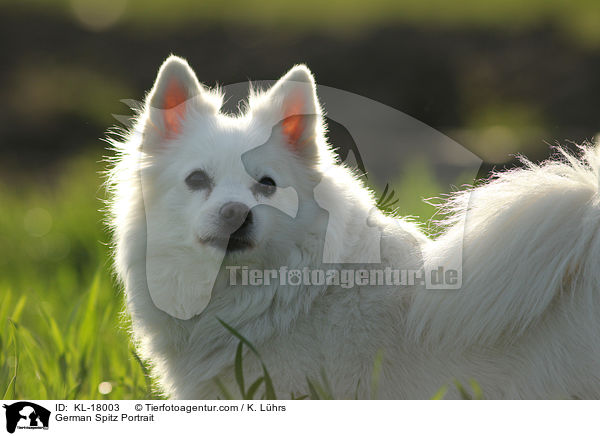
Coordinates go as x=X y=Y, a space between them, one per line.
x=247 y=225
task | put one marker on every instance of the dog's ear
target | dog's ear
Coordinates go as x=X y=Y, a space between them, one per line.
x=292 y=107
x=175 y=91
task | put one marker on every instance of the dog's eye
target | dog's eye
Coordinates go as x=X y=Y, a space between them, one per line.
x=197 y=179
x=266 y=186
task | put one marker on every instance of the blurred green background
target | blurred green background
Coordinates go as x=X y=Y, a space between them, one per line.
x=500 y=77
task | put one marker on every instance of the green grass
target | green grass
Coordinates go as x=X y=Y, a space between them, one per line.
x=62 y=332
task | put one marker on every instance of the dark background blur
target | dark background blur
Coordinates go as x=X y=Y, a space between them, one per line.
x=499 y=77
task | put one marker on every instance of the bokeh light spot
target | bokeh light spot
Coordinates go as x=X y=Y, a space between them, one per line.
x=105 y=388
x=37 y=222
x=98 y=15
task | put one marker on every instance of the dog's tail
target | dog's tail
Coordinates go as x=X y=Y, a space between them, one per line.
x=528 y=236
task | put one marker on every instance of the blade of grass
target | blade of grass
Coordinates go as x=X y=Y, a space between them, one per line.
x=145 y=371
x=253 y=388
x=239 y=369
x=314 y=395
x=440 y=394
x=13 y=380
x=269 y=388
x=477 y=392
x=462 y=391
x=18 y=310
x=376 y=374
x=226 y=394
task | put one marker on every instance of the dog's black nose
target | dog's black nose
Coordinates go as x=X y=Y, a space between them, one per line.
x=234 y=215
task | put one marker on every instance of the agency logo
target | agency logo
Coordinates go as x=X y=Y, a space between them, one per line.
x=27 y=416
x=374 y=140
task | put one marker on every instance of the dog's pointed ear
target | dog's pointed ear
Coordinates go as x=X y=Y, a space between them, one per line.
x=175 y=91
x=292 y=107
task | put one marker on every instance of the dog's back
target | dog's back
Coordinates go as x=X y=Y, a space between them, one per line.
x=531 y=282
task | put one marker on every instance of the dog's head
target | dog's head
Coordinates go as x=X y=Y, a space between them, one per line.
x=229 y=185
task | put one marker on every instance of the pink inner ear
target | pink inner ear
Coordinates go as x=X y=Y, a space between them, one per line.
x=293 y=124
x=174 y=107
x=292 y=127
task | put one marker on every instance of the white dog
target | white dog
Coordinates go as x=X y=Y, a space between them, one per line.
x=197 y=194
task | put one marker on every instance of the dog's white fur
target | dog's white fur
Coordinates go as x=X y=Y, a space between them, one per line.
x=524 y=325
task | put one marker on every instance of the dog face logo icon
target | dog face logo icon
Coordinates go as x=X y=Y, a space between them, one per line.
x=26 y=415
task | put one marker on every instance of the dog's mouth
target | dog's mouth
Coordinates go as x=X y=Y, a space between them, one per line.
x=239 y=240
x=230 y=244
x=238 y=244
